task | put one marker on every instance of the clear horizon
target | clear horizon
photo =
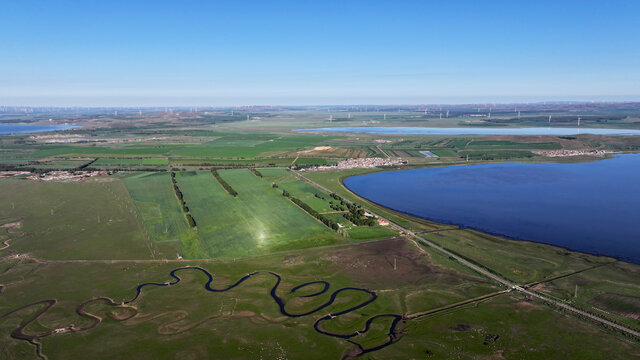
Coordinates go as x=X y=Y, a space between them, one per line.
x=196 y=53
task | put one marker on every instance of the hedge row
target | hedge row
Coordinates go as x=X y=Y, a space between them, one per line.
x=185 y=208
x=224 y=184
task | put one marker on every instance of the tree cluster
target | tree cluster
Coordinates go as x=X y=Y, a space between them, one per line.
x=355 y=214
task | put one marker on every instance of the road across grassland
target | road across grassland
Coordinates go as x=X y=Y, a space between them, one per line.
x=510 y=285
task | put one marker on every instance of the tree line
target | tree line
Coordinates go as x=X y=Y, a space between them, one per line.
x=256 y=172
x=224 y=184
x=328 y=222
x=185 y=208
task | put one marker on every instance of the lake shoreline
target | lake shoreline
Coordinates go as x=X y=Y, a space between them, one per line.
x=21 y=128
x=483 y=229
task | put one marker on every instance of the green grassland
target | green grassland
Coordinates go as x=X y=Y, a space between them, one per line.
x=130 y=161
x=610 y=290
x=185 y=320
x=87 y=220
x=502 y=144
x=259 y=220
x=520 y=261
x=232 y=148
x=443 y=152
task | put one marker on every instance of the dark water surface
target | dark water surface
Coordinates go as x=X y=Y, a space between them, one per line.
x=399 y=130
x=23 y=129
x=591 y=207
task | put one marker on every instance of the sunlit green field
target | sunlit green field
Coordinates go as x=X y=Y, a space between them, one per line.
x=259 y=220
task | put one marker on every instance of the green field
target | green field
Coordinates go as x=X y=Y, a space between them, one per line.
x=160 y=211
x=520 y=261
x=89 y=220
x=499 y=144
x=611 y=290
x=259 y=220
x=444 y=153
x=131 y=161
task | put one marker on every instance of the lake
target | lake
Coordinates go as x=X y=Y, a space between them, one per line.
x=476 y=131
x=23 y=129
x=590 y=207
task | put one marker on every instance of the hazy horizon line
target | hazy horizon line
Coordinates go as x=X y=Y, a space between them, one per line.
x=214 y=104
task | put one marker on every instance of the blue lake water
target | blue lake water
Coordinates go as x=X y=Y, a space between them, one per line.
x=590 y=207
x=22 y=129
x=476 y=131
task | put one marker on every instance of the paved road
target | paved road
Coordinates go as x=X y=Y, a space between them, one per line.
x=486 y=272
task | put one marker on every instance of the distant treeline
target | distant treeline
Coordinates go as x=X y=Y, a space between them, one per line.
x=185 y=208
x=224 y=166
x=330 y=223
x=224 y=184
x=123 y=169
x=84 y=166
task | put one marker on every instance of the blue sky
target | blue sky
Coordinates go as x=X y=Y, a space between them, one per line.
x=143 y=53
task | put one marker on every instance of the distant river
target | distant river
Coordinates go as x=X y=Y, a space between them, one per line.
x=590 y=207
x=476 y=131
x=22 y=129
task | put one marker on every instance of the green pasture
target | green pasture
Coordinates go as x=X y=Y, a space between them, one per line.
x=443 y=152
x=232 y=148
x=185 y=320
x=612 y=290
x=500 y=144
x=131 y=161
x=520 y=261
x=86 y=220
x=492 y=154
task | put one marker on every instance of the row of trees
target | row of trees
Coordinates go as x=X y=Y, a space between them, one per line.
x=86 y=165
x=330 y=223
x=185 y=208
x=224 y=184
x=256 y=172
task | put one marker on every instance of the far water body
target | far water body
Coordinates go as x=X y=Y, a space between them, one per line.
x=555 y=131
x=23 y=129
x=590 y=207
